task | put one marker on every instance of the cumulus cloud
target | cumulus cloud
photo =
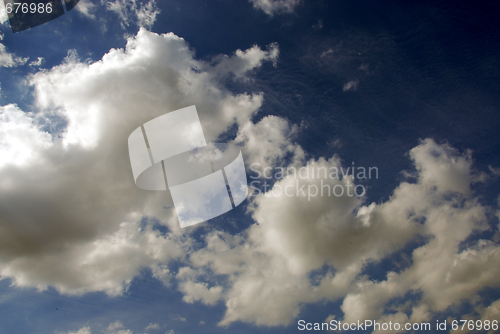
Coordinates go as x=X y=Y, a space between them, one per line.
x=272 y=7
x=269 y=141
x=194 y=290
x=71 y=215
x=21 y=142
x=269 y=265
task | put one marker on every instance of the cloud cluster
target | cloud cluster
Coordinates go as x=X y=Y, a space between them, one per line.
x=71 y=216
x=269 y=267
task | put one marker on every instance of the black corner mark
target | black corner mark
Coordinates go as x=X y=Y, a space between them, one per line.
x=26 y=14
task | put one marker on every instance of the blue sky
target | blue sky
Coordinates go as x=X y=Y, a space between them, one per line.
x=410 y=88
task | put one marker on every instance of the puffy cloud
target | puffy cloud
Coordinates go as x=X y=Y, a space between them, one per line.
x=271 y=7
x=197 y=291
x=246 y=60
x=154 y=74
x=268 y=142
x=441 y=271
x=270 y=267
x=71 y=216
x=21 y=142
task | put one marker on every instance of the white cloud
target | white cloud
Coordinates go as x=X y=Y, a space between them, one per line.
x=71 y=215
x=272 y=7
x=21 y=141
x=268 y=141
x=3 y=15
x=155 y=73
x=80 y=229
x=243 y=61
x=197 y=291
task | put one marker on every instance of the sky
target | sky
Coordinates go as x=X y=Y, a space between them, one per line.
x=393 y=106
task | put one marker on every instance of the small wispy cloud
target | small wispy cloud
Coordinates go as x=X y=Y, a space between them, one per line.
x=351 y=85
x=319 y=25
x=272 y=7
x=152 y=326
x=37 y=63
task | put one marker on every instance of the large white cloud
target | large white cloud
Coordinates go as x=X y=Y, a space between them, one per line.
x=71 y=216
